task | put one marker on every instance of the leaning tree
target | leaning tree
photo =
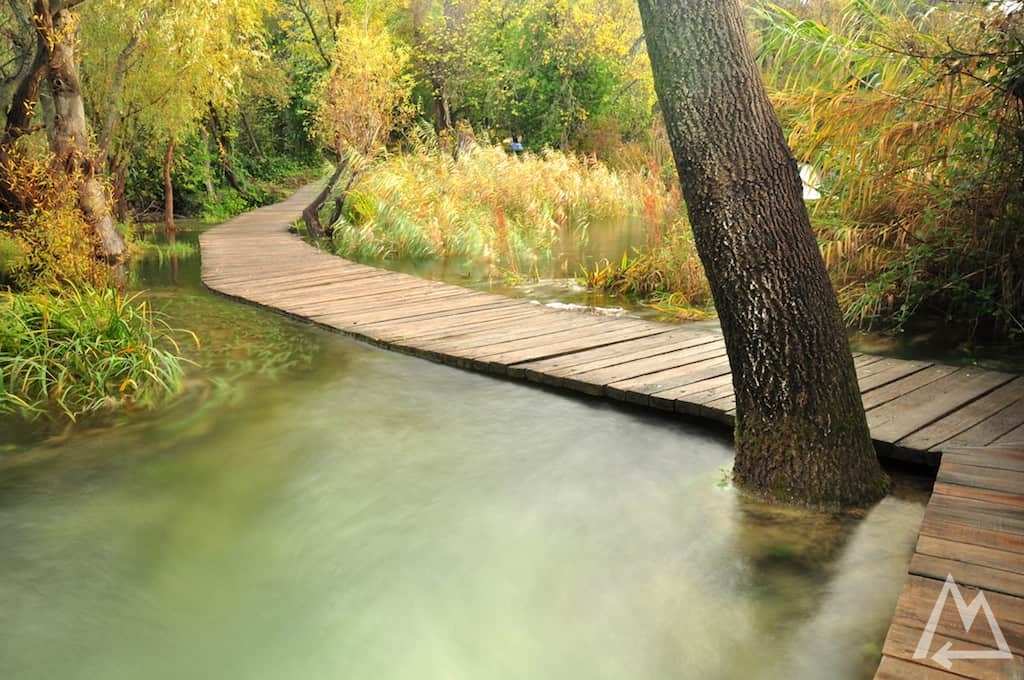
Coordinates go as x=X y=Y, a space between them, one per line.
x=50 y=59
x=801 y=432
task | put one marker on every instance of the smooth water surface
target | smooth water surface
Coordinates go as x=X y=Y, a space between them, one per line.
x=317 y=508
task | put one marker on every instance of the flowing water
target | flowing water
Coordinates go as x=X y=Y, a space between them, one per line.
x=318 y=508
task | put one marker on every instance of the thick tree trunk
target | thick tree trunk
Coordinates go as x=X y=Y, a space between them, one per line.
x=169 y=226
x=801 y=433
x=70 y=143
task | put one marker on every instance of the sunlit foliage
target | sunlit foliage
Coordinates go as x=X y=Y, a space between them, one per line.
x=913 y=112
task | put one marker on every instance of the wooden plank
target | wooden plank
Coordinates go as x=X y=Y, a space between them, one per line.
x=892 y=668
x=990 y=458
x=901 y=643
x=982 y=514
x=354 y=323
x=981 y=577
x=638 y=390
x=920 y=593
x=989 y=430
x=977 y=555
x=459 y=323
x=532 y=330
x=1014 y=437
x=254 y=258
x=968 y=416
x=1014 y=500
x=874 y=398
x=985 y=478
x=888 y=371
x=964 y=530
x=529 y=349
x=913 y=411
x=605 y=357
x=658 y=364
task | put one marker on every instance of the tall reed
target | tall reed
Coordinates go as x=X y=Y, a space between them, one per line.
x=503 y=210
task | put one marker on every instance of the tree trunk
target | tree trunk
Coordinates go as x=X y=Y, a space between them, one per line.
x=211 y=191
x=169 y=226
x=311 y=215
x=70 y=143
x=113 y=117
x=256 y=150
x=220 y=137
x=801 y=433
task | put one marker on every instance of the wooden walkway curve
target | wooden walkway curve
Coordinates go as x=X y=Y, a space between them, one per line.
x=915 y=408
x=973 y=527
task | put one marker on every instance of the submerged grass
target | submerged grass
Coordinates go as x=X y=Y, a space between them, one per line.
x=84 y=351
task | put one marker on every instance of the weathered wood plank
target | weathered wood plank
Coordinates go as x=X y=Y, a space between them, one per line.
x=971 y=414
x=892 y=668
x=625 y=352
x=902 y=641
x=914 y=410
x=1014 y=500
x=982 y=477
x=1014 y=437
x=873 y=398
x=989 y=458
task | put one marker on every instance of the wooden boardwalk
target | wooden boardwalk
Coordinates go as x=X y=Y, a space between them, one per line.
x=973 y=527
x=973 y=530
x=915 y=408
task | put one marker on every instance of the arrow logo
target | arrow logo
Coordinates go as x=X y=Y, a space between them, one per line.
x=967 y=616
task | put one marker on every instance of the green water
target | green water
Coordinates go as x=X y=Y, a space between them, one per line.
x=324 y=509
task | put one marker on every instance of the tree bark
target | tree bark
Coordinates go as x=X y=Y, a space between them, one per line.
x=113 y=117
x=169 y=226
x=70 y=142
x=801 y=433
x=311 y=214
x=220 y=137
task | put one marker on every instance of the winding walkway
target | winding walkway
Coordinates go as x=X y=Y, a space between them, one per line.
x=973 y=528
x=916 y=409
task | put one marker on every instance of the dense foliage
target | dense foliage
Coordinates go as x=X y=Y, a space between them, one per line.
x=913 y=112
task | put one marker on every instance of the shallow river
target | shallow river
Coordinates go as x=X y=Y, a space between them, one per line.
x=317 y=508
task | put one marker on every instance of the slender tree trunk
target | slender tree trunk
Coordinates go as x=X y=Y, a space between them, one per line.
x=311 y=214
x=113 y=117
x=70 y=142
x=339 y=201
x=256 y=150
x=211 y=192
x=169 y=226
x=801 y=433
x=224 y=152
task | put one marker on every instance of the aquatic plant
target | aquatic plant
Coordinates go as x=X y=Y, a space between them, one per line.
x=85 y=351
x=505 y=211
x=668 y=275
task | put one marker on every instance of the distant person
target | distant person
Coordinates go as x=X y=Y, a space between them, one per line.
x=517 y=146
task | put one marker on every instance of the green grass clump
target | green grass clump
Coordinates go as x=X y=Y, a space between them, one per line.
x=85 y=351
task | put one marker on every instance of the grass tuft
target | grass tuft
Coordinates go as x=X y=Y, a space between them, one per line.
x=85 y=351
